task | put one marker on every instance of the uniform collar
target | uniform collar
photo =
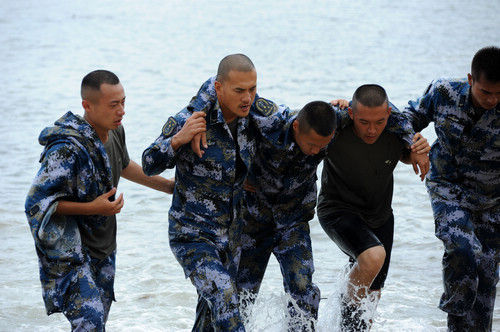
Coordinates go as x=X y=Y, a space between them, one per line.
x=215 y=115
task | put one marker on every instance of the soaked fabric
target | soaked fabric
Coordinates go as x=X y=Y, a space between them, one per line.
x=74 y=166
x=204 y=219
x=276 y=216
x=102 y=242
x=90 y=295
x=464 y=187
x=358 y=177
x=470 y=263
x=353 y=236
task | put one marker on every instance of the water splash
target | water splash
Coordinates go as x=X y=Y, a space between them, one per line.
x=273 y=313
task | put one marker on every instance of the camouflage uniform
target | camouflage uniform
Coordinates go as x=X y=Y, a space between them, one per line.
x=204 y=219
x=74 y=166
x=276 y=216
x=464 y=187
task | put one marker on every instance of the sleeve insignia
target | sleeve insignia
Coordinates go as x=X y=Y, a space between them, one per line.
x=266 y=107
x=169 y=127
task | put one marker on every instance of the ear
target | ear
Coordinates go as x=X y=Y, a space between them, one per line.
x=469 y=78
x=295 y=125
x=351 y=114
x=86 y=105
x=218 y=86
x=389 y=110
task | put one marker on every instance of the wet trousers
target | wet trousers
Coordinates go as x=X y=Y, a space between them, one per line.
x=89 y=296
x=470 y=263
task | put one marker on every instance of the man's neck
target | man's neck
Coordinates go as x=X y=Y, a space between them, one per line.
x=103 y=134
x=226 y=113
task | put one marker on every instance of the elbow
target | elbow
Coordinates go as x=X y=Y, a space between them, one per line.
x=147 y=164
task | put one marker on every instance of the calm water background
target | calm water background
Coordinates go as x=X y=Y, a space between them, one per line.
x=162 y=51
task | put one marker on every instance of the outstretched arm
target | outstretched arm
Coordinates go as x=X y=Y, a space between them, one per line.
x=133 y=172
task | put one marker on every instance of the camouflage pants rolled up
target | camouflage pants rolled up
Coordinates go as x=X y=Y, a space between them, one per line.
x=292 y=248
x=90 y=295
x=470 y=263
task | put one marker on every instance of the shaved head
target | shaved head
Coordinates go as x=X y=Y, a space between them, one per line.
x=369 y=95
x=91 y=84
x=486 y=65
x=237 y=62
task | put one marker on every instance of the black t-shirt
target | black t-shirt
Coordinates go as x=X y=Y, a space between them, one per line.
x=103 y=242
x=357 y=177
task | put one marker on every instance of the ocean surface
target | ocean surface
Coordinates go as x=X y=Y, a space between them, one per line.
x=162 y=51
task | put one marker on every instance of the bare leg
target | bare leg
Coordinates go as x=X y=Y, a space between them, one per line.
x=364 y=271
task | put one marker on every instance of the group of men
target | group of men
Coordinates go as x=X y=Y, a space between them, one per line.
x=245 y=187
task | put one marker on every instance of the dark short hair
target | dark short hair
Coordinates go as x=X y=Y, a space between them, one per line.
x=238 y=62
x=486 y=64
x=319 y=116
x=93 y=81
x=369 y=95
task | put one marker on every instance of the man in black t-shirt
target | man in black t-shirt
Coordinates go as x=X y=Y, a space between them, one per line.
x=354 y=205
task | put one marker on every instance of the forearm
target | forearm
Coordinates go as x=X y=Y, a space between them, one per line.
x=158 y=156
x=133 y=172
x=67 y=208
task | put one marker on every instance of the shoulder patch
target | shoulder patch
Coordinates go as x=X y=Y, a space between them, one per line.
x=266 y=107
x=169 y=127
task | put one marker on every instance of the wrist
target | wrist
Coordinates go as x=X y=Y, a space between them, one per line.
x=175 y=142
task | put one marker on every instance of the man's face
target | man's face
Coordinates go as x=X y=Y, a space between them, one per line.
x=484 y=94
x=310 y=143
x=369 y=122
x=105 y=110
x=236 y=93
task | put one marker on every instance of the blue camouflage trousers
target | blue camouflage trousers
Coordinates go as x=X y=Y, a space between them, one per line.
x=214 y=277
x=292 y=248
x=89 y=296
x=470 y=263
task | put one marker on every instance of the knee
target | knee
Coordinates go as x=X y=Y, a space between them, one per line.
x=460 y=252
x=371 y=260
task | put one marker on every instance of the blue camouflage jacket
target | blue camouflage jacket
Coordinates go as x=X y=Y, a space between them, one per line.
x=74 y=167
x=465 y=158
x=207 y=196
x=284 y=176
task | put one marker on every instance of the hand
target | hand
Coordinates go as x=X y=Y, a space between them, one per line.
x=420 y=144
x=420 y=161
x=103 y=206
x=194 y=125
x=249 y=186
x=195 y=143
x=342 y=103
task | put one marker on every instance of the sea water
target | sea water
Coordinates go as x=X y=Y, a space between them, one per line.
x=162 y=51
